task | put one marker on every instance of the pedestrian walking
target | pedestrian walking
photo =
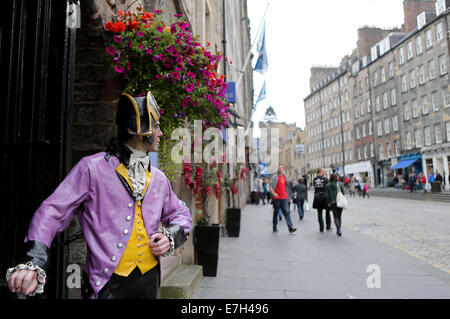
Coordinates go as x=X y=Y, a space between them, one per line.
x=123 y=232
x=281 y=192
x=331 y=194
x=361 y=188
x=301 y=195
x=431 y=178
x=266 y=190
x=352 y=188
x=260 y=191
x=411 y=182
x=422 y=181
x=439 y=179
x=366 y=190
x=320 y=199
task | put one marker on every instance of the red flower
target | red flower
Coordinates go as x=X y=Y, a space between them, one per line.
x=147 y=15
x=217 y=189
x=243 y=173
x=115 y=27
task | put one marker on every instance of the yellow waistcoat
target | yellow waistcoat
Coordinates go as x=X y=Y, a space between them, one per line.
x=138 y=252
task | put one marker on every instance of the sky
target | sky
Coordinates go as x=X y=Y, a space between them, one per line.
x=301 y=34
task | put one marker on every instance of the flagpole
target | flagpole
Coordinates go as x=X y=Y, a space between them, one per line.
x=250 y=52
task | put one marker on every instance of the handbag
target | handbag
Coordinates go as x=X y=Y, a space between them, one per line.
x=307 y=207
x=341 y=200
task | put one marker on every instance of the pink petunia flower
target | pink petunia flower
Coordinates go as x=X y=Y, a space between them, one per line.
x=189 y=87
x=175 y=75
x=118 y=69
x=110 y=50
x=117 y=38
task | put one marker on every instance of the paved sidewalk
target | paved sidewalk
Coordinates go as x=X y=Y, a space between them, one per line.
x=308 y=264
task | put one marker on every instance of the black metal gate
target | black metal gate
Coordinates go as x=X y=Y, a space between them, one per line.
x=36 y=91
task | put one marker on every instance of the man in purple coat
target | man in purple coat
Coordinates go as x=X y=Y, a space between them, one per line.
x=127 y=210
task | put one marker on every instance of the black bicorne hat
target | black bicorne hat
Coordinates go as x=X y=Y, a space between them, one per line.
x=138 y=114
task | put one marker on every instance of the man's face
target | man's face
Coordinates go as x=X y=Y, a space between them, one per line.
x=157 y=133
x=280 y=169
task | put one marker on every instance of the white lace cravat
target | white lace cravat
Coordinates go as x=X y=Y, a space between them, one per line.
x=137 y=165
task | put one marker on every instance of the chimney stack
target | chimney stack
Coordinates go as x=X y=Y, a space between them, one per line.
x=412 y=8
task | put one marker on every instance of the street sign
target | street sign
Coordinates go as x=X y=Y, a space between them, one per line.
x=230 y=94
x=300 y=148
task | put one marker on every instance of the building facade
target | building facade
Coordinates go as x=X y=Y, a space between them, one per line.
x=291 y=153
x=399 y=102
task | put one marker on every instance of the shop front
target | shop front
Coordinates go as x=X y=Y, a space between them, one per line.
x=384 y=176
x=436 y=159
x=407 y=164
x=361 y=171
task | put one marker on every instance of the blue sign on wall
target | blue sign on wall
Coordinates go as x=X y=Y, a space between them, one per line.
x=230 y=94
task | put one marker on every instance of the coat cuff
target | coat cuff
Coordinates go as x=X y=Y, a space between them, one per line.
x=176 y=236
x=38 y=253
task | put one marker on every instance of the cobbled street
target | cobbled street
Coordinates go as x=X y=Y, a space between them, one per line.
x=418 y=228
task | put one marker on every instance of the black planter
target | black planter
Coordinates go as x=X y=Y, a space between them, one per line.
x=233 y=221
x=206 y=243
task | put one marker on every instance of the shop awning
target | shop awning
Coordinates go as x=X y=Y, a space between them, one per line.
x=404 y=164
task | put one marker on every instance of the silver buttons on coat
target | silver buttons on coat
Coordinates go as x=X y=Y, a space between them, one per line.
x=97 y=283
x=113 y=258
x=105 y=271
x=128 y=218
x=130 y=205
x=119 y=245
x=125 y=231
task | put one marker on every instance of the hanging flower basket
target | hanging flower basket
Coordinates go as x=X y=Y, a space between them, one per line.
x=167 y=59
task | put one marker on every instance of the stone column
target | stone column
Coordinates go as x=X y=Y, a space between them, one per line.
x=446 y=171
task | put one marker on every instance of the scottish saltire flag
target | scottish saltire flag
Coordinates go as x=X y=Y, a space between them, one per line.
x=262 y=94
x=261 y=63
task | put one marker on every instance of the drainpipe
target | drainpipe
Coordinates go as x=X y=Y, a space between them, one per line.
x=224 y=37
x=374 y=130
x=342 y=124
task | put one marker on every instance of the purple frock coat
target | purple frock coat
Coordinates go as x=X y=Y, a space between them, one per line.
x=93 y=190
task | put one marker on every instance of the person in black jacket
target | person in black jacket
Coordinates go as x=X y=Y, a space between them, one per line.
x=331 y=191
x=320 y=200
x=299 y=195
